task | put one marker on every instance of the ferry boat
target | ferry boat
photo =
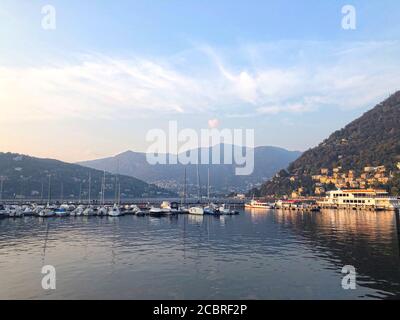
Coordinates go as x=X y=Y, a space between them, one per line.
x=369 y=199
x=255 y=204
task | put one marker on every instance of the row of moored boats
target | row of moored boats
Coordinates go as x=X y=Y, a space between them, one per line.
x=166 y=208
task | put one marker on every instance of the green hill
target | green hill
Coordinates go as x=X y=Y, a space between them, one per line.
x=371 y=140
x=27 y=177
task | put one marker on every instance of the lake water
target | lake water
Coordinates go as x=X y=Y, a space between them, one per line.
x=256 y=255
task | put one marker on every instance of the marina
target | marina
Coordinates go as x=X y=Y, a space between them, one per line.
x=365 y=200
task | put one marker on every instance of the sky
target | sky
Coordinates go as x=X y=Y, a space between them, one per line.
x=111 y=71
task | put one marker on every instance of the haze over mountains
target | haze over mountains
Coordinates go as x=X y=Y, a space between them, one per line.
x=223 y=180
x=369 y=141
x=27 y=177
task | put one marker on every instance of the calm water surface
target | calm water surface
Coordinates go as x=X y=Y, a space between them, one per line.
x=256 y=255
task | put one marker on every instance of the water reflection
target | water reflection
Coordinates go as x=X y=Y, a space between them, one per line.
x=259 y=254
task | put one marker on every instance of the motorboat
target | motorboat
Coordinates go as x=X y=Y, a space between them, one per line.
x=197 y=210
x=61 y=212
x=211 y=209
x=225 y=210
x=46 y=213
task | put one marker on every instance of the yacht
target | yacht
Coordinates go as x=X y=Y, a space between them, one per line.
x=196 y=210
x=154 y=211
x=166 y=207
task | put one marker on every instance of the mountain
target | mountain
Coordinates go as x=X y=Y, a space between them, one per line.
x=370 y=141
x=267 y=161
x=27 y=177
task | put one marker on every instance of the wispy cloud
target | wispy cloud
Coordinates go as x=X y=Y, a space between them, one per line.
x=98 y=86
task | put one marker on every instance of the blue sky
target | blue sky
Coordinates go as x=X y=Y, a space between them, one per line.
x=111 y=71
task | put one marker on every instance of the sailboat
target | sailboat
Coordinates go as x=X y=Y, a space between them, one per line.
x=211 y=208
x=89 y=211
x=102 y=210
x=197 y=210
x=183 y=208
x=115 y=211
x=48 y=211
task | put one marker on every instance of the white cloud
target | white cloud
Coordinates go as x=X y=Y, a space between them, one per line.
x=96 y=86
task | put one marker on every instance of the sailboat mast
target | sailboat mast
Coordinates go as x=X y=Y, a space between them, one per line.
x=49 y=190
x=208 y=184
x=90 y=185
x=198 y=183
x=103 y=189
x=1 y=188
x=184 y=189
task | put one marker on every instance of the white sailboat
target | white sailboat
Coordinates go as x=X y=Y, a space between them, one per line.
x=197 y=210
x=89 y=211
x=102 y=210
x=48 y=211
x=115 y=211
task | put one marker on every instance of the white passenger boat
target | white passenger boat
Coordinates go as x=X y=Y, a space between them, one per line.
x=255 y=204
x=360 y=199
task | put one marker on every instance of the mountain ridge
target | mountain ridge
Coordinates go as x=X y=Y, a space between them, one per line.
x=268 y=160
x=25 y=176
